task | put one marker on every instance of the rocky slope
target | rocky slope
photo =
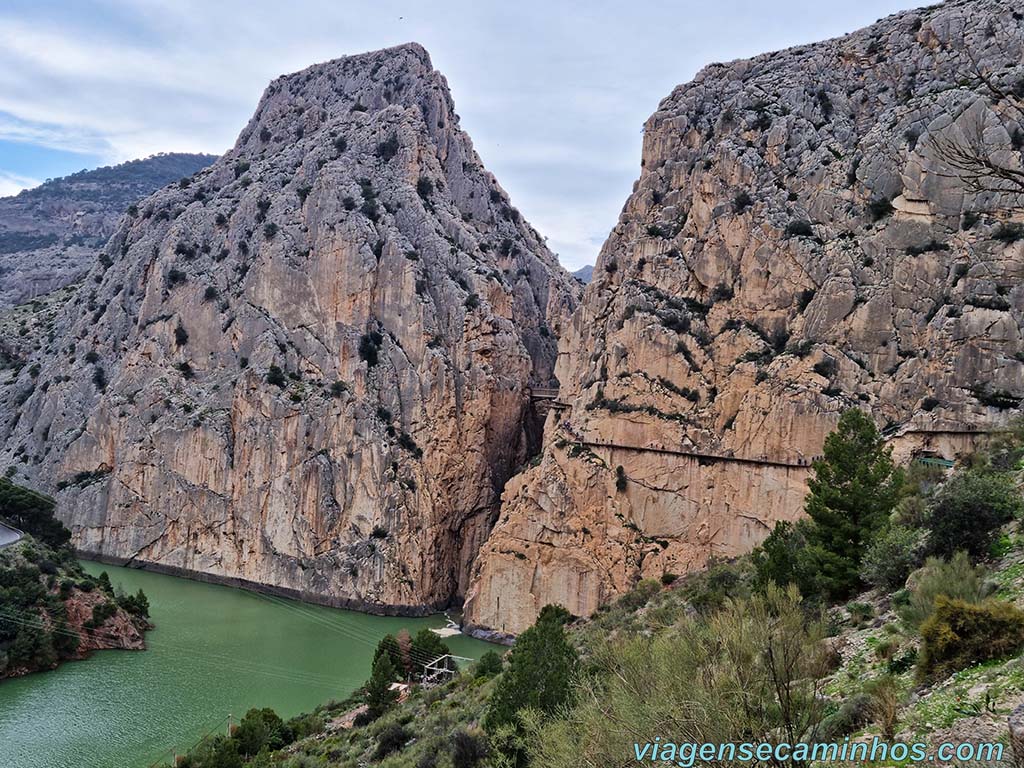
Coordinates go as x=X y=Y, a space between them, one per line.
x=53 y=611
x=50 y=235
x=824 y=227
x=307 y=366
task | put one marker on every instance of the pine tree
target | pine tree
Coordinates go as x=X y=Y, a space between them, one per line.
x=854 y=490
x=389 y=645
x=539 y=673
x=427 y=647
x=379 y=696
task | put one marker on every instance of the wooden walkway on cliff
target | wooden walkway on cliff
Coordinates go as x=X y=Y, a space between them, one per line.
x=548 y=397
x=764 y=460
x=700 y=456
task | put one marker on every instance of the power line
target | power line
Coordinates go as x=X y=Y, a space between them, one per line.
x=172 y=751
x=220 y=661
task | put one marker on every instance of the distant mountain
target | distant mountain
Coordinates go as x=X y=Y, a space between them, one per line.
x=584 y=274
x=50 y=235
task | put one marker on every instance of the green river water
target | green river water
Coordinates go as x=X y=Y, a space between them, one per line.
x=215 y=651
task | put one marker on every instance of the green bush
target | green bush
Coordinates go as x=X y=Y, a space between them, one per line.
x=956 y=579
x=137 y=604
x=892 y=556
x=261 y=728
x=489 y=665
x=276 y=377
x=968 y=511
x=961 y=634
x=468 y=749
x=852 y=715
x=786 y=557
x=100 y=613
x=391 y=739
x=639 y=596
x=707 y=591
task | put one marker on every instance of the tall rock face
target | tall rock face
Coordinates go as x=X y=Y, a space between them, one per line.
x=308 y=366
x=832 y=226
x=51 y=235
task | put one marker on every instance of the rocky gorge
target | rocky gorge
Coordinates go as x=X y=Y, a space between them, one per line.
x=309 y=366
x=831 y=226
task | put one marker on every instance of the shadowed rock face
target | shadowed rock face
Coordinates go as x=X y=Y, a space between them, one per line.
x=50 y=235
x=309 y=366
x=801 y=240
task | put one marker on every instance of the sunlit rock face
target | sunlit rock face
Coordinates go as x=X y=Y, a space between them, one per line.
x=308 y=365
x=802 y=239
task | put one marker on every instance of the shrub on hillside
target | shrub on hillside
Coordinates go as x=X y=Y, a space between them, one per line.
x=489 y=665
x=391 y=739
x=751 y=672
x=852 y=715
x=261 y=728
x=956 y=579
x=784 y=557
x=468 y=749
x=640 y=595
x=968 y=511
x=892 y=556
x=886 y=697
x=707 y=591
x=961 y=634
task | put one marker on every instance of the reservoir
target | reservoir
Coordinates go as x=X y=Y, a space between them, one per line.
x=215 y=651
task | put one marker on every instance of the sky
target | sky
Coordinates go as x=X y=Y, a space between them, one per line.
x=554 y=94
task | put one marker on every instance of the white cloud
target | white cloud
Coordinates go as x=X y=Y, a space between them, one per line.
x=12 y=183
x=65 y=138
x=554 y=94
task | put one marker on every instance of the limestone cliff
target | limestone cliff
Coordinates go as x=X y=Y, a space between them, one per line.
x=51 y=235
x=308 y=365
x=829 y=226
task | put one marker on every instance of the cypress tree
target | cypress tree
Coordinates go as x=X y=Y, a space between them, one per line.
x=539 y=673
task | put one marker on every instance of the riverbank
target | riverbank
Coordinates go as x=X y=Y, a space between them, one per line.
x=376 y=609
x=214 y=651
x=52 y=611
